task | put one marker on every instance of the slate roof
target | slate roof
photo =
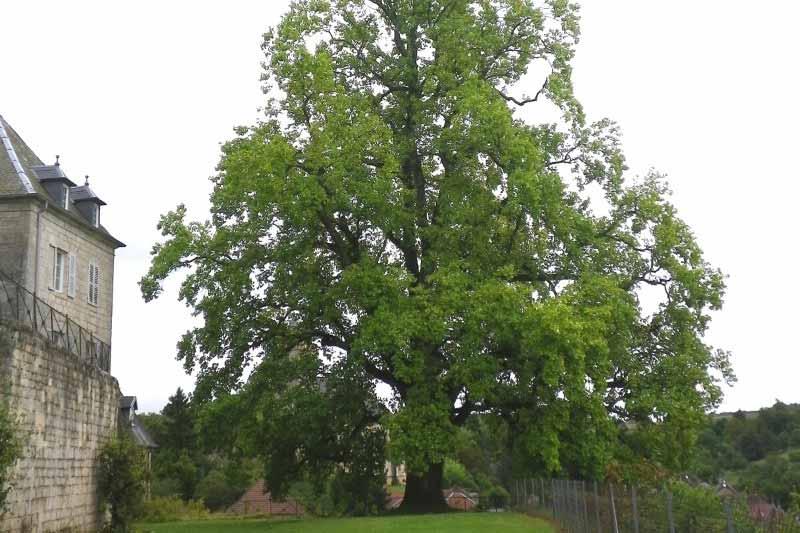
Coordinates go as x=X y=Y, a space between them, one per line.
x=128 y=420
x=84 y=193
x=52 y=172
x=21 y=172
x=128 y=402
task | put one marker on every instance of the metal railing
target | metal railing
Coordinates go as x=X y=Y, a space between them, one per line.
x=18 y=304
x=589 y=507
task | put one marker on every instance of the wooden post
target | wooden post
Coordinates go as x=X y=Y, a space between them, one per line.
x=635 y=509
x=542 y=494
x=524 y=491
x=585 y=508
x=614 y=523
x=597 y=508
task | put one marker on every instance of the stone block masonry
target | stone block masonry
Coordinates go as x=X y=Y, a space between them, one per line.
x=68 y=409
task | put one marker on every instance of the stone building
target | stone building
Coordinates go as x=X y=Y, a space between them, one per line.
x=52 y=240
x=56 y=296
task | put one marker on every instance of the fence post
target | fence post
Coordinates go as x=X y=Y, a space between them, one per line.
x=614 y=523
x=578 y=514
x=597 y=507
x=524 y=491
x=635 y=502
x=541 y=484
x=585 y=508
x=553 y=496
x=670 y=518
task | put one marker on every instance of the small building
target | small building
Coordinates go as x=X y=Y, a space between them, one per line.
x=460 y=499
x=395 y=473
x=130 y=425
x=761 y=511
x=258 y=500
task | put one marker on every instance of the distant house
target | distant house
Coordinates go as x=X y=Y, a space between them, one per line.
x=395 y=473
x=130 y=425
x=765 y=512
x=258 y=500
x=460 y=499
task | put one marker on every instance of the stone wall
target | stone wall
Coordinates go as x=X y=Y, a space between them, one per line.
x=68 y=408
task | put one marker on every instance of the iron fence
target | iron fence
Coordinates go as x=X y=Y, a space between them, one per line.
x=17 y=304
x=589 y=507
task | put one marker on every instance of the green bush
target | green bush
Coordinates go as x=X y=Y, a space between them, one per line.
x=343 y=494
x=122 y=478
x=794 y=456
x=496 y=497
x=172 y=509
x=164 y=487
x=10 y=450
x=217 y=491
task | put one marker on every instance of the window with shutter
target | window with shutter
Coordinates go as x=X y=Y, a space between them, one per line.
x=72 y=281
x=94 y=284
x=59 y=260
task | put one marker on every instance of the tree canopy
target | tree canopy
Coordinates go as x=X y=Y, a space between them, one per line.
x=398 y=216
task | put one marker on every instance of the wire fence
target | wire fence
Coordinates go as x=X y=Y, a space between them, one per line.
x=17 y=304
x=589 y=507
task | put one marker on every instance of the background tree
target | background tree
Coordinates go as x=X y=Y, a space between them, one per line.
x=179 y=431
x=395 y=212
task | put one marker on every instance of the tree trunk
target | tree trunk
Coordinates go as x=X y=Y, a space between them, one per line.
x=424 y=491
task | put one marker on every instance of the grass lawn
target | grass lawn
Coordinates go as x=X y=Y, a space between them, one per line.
x=440 y=523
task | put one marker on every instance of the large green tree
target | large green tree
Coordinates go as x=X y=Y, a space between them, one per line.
x=397 y=214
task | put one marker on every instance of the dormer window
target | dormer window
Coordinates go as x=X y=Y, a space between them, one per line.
x=56 y=183
x=87 y=203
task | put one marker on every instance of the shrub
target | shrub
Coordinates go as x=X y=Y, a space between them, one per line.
x=164 y=487
x=342 y=494
x=122 y=475
x=171 y=509
x=794 y=456
x=496 y=497
x=217 y=491
x=10 y=450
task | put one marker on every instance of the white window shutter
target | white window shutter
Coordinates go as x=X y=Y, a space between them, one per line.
x=96 y=285
x=54 y=281
x=90 y=294
x=71 y=279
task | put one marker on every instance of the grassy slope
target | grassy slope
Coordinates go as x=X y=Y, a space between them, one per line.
x=444 y=523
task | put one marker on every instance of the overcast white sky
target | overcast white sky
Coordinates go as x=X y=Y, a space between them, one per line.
x=139 y=95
